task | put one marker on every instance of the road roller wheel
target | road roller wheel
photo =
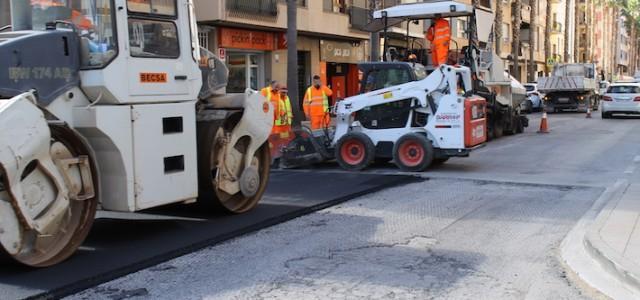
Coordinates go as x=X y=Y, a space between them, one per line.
x=253 y=180
x=46 y=250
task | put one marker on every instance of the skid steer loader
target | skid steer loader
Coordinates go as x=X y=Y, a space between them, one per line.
x=112 y=104
x=416 y=123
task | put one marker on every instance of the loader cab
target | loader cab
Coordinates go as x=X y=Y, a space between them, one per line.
x=380 y=75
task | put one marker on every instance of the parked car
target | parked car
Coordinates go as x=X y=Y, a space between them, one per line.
x=621 y=98
x=637 y=76
x=534 y=98
x=602 y=87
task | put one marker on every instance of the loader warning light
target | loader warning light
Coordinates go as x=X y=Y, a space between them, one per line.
x=153 y=77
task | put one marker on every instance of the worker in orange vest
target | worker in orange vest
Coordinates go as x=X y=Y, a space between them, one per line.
x=265 y=91
x=439 y=34
x=316 y=104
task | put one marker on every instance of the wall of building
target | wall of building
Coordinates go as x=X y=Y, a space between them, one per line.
x=5 y=13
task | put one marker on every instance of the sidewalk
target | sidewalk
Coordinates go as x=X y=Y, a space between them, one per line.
x=604 y=251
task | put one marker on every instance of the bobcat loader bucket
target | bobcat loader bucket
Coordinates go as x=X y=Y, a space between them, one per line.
x=47 y=192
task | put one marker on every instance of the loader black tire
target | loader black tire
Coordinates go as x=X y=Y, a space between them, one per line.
x=355 y=151
x=413 y=152
x=439 y=161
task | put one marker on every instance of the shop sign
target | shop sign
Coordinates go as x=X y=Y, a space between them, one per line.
x=246 y=39
x=341 y=52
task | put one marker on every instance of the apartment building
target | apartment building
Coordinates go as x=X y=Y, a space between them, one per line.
x=622 y=58
x=5 y=13
x=250 y=36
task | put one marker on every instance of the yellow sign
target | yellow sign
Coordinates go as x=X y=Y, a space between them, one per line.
x=153 y=77
x=388 y=95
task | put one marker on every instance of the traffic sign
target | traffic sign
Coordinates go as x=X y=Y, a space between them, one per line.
x=550 y=61
x=222 y=54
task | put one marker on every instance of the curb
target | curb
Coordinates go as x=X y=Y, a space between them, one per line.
x=625 y=270
x=589 y=263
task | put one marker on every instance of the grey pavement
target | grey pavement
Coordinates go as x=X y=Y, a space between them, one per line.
x=489 y=226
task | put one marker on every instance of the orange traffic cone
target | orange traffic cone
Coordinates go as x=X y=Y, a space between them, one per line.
x=544 y=128
x=588 y=112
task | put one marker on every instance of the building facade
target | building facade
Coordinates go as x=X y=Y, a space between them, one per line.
x=250 y=36
x=5 y=13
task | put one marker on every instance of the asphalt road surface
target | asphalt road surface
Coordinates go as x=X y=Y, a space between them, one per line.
x=121 y=243
x=483 y=227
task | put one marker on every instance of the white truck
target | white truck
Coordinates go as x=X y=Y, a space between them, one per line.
x=570 y=87
x=102 y=104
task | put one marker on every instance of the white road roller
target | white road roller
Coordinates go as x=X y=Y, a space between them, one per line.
x=109 y=104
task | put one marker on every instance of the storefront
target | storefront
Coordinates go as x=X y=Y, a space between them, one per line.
x=339 y=66
x=244 y=52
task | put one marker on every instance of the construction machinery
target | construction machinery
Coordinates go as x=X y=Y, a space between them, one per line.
x=414 y=122
x=570 y=87
x=110 y=104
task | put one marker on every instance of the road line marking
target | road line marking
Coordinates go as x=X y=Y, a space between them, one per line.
x=630 y=169
x=636 y=159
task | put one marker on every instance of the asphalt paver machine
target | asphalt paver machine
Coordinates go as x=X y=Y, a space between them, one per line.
x=111 y=104
x=417 y=123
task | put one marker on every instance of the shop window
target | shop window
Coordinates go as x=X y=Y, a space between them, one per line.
x=152 y=38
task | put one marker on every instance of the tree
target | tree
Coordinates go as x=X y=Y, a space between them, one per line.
x=547 y=35
x=533 y=43
x=497 y=28
x=567 y=16
x=516 y=13
x=292 y=61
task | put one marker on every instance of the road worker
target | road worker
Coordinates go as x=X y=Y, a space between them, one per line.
x=439 y=34
x=283 y=116
x=316 y=104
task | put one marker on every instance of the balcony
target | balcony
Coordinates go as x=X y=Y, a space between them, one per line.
x=264 y=8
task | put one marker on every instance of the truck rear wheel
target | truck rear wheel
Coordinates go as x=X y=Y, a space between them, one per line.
x=209 y=146
x=355 y=151
x=46 y=250
x=413 y=152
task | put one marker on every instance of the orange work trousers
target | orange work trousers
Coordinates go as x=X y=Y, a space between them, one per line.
x=319 y=121
x=440 y=53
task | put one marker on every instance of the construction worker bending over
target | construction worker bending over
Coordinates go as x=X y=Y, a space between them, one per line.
x=316 y=104
x=439 y=34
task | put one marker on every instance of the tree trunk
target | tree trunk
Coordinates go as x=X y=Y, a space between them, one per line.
x=516 y=12
x=292 y=61
x=374 y=37
x=497 y=28
x=567 y=16
x=533 y=41
x=576 y=34
x=547 y=36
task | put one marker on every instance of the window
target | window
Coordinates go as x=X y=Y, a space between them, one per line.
x=337 y=6
x=203 y=39
x=153 y=7
x=383 y=78
x=461 y=28
x=624 y=89
x=506 y=32
x=152 y=38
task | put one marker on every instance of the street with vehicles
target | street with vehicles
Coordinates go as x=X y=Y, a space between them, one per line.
x=191 y=149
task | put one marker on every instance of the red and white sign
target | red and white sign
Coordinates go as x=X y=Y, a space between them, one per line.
x=222 y=54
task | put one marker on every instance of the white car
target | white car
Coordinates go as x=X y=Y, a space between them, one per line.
x=534 y=98
x=621 y=98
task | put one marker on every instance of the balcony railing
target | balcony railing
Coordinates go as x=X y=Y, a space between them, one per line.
x=255 y=7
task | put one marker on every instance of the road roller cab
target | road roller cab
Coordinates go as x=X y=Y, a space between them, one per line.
x=102 y=103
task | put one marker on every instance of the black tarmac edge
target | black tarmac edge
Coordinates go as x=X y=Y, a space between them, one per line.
x=71 y=277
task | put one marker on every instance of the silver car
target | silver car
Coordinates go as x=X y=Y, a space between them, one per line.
x=621 y=98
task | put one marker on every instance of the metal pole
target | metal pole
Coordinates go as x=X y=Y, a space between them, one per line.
x=374 y=37
x=292 y=61
x=386 y=22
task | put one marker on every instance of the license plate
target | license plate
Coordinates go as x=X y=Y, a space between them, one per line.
x=564 y=100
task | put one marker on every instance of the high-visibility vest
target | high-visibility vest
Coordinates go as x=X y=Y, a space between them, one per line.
x=312 y=103
x=284 y=105
x=266 y=91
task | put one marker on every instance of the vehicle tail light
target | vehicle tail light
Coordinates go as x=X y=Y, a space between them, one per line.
x=637 y=99
x=607 y=98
